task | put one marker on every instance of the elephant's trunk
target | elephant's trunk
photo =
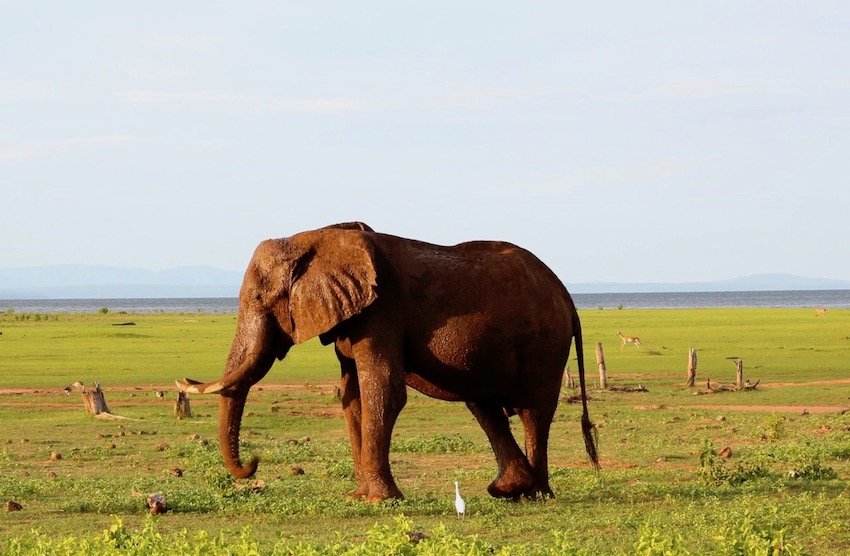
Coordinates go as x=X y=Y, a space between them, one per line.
x=230 y=411
x=251 y=356
x=254 y=349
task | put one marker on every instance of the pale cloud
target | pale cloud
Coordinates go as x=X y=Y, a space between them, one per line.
x=245 y=103
x=708 y=86
x=11 y=152
x=20 y=91
x=603 y=176
x=141 y=67
x=466 y=96
x=196 y=45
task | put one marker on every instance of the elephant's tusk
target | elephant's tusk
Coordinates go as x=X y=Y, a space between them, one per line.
x=194 y=387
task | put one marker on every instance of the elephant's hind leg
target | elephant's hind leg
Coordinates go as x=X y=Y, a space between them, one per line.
x=515 y=477
x=537 y=422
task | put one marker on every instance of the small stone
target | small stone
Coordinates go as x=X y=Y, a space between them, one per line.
x=177 y=472
x=157 y=504
x=162 y=447
x=296 y=470
x=721 y=418
x=194 y=436
x=55 y=456
x=12 y=506
x=725 y=452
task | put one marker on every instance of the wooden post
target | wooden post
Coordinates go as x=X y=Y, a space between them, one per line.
x=94 y=401
x=568 y=378
x=181 y=408
x=692 y=367
x=600 y=362
x=739 y=373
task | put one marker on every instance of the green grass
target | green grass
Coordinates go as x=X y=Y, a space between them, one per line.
x=663 y=488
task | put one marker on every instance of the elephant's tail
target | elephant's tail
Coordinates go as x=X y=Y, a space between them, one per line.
x=588 y=430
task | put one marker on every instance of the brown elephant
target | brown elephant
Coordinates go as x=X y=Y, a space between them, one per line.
x=486 y=323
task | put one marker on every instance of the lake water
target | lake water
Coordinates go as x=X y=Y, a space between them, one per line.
x=833 y=299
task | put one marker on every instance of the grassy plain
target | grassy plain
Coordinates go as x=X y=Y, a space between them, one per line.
x=662 y=488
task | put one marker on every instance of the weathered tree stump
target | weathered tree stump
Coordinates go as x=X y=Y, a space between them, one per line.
x=94 y=401
x=739 y=374
x=600 y=362
x=181 y=408
x=692 y=367
x=568 y=378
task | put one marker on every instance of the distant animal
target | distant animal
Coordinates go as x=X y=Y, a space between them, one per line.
x=460 y=505
x=820 y=310
x=67 y=390
x=77 y=384
x=629 y=340
x=483 y=322
x=160 y=394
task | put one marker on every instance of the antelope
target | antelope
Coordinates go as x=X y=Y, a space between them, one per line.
x=820 y=311
x=629 y=340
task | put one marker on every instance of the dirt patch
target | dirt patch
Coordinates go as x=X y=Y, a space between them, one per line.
x=799 y=409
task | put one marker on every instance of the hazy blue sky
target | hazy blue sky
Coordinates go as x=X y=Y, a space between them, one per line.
x=620 y=141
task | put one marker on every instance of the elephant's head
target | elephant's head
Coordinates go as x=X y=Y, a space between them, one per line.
x=294 y=289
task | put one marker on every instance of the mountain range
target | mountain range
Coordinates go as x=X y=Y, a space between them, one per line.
x=105 y=282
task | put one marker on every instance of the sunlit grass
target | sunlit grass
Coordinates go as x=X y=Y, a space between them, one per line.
x=662 y=481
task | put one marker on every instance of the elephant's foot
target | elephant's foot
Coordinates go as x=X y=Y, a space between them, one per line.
x=538 y=492
x=376 y=491
x=514 y=481
x=379 y=493
x=359 y=493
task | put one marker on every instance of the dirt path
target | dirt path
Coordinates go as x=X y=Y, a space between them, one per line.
x=798 y=409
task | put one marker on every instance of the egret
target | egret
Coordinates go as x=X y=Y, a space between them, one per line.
x=460 y=505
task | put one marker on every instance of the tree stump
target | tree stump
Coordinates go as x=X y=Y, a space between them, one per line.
x=181 y=408
x=692 y=367
x=739 y=374
x=600 y=362
x=94 y=401
x=568 y=378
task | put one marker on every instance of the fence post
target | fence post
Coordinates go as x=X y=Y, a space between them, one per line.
x=739 y=373
x=182 y=408
x=692 y=367
x=568 y=378
x=600 y=362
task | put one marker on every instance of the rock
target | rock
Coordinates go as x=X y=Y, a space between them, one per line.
x=157 y=503
x=194 y=436
x=725 y=452
x=162 y=447
x=177 y=472
x=12 y=506
x=55 y=456
x=296 y=470
x=721 y=418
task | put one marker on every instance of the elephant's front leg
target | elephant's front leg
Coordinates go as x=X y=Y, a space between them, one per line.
x=351 y=407
x=382 y=396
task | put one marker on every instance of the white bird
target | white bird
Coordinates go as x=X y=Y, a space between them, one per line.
x=460 y=505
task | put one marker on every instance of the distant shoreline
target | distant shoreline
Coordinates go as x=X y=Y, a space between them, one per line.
x=831 y=299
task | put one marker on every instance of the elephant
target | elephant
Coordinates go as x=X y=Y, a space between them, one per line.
x=484 y=322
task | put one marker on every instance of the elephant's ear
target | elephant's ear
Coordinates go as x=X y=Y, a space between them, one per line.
x=332 y=282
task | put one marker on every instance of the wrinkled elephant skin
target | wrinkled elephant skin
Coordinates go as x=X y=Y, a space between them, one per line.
x=485 y=323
